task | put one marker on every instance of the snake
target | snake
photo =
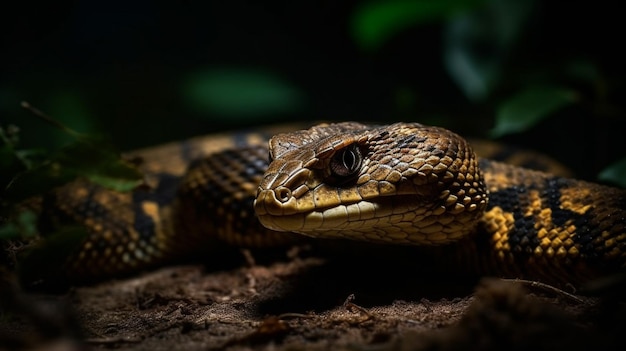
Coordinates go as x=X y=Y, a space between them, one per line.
x=403 y=184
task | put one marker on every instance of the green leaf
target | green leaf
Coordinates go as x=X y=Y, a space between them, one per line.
x=101 y=164
x=529 y=107
x=373 y=23
x=241 y=93
x=477 y=44
x=24 y=225
x=615 y=173
x=84 y=158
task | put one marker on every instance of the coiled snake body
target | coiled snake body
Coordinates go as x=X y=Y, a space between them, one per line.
x=404 y=183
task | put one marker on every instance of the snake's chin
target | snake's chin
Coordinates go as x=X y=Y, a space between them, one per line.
x=329 y=222
x=282 y=223
x=306 y=223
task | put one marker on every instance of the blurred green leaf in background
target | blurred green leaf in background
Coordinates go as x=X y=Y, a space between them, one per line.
x=241 y=93
x=478 y=43
x=375 y=22
x=615 y=173
x=530 y=106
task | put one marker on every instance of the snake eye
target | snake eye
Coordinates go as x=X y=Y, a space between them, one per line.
x=346 y=162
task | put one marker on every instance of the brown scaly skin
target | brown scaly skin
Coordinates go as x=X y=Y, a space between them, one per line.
x=497 y=219
x=420 y=185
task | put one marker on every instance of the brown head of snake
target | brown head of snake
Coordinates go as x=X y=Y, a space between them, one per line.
x=404 y=183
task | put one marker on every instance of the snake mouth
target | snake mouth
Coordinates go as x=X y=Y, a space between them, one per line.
x=336 y=222
x=279 y=215
x=386 y=218
x=314 y=221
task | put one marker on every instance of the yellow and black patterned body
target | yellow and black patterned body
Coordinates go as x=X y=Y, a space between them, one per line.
x=493 y=217
x=540 y=226
x=198 y=194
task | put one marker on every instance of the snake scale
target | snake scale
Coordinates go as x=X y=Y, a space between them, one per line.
x=403 y=183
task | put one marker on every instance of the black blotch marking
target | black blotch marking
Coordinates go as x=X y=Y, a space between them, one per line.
x=144 y=224
x=186 y=151
x=406 y=141
x=253 y=168
x=409 y=141
x=523 y=238
x=53 y=217
x=241 y=139
x=552 y=194
x=585 y=232
x=162 y=195
x=86 y=207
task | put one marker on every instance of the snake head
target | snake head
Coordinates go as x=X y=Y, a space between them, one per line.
x=403 y=183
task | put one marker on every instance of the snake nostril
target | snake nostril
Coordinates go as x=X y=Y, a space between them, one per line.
x=283 y=194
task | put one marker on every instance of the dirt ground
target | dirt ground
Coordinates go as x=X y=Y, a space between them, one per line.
x=310 y=302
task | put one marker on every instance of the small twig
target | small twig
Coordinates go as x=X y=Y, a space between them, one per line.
x=35 y=111
x=547 y=287
x=247 y=255
x=251 y=283
x=350 y=306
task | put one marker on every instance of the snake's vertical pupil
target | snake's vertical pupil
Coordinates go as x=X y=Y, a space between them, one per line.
x=347 y=161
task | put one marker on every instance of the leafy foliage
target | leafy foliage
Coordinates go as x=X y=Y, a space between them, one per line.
x=22 y=226
x=374 y=23
x=478 y=44
x=94 y=160
x=240 y=93
x=530 y=106
x=615 y=173
x=86 y=156
x=29 y=174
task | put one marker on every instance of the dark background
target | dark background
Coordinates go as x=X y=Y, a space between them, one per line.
x=144 y=72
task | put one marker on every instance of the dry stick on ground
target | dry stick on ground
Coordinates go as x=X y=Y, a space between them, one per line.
x=350 y=306
x=546 y=287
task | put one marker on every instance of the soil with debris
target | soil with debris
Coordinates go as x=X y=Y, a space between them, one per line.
x=310 y=302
